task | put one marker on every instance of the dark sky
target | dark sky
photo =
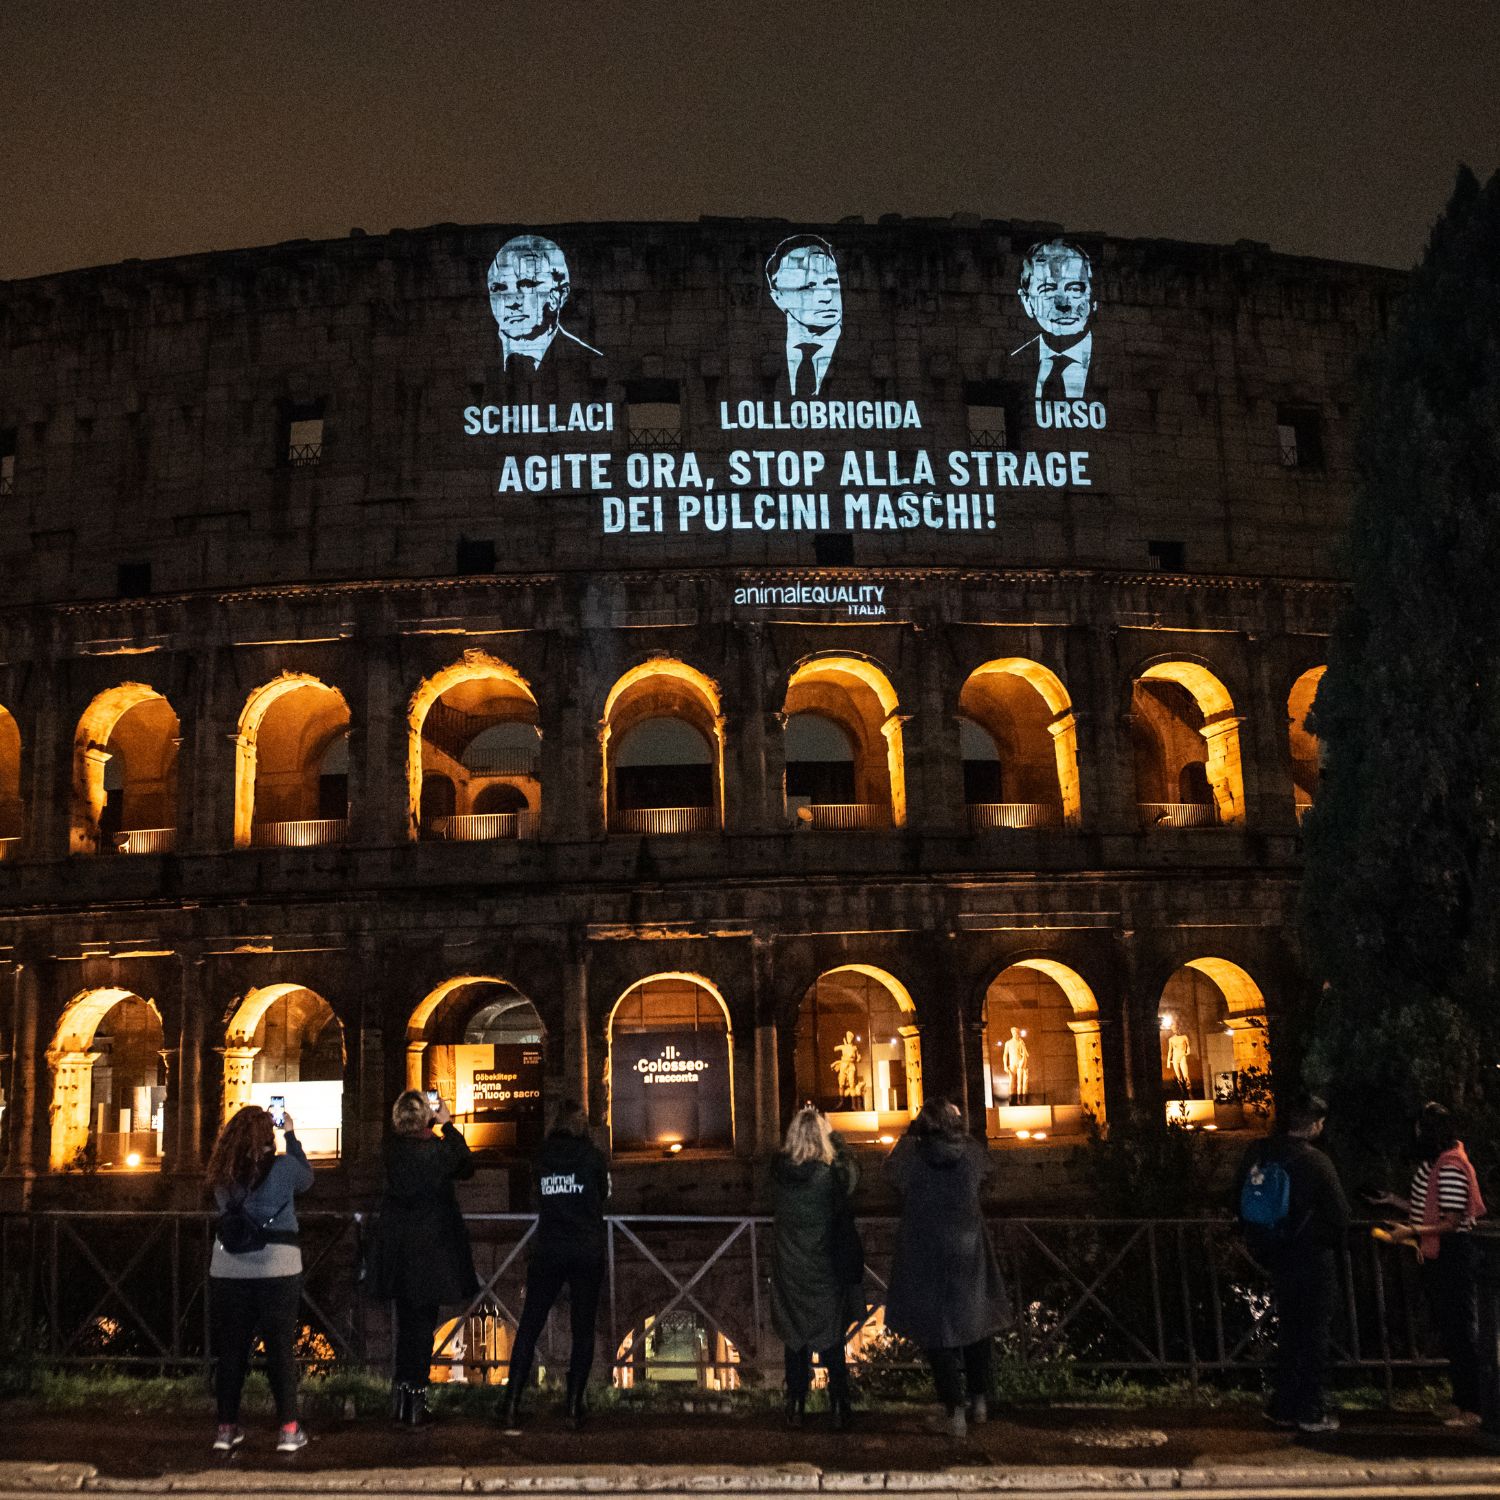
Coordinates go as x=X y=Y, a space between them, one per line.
x=156 y=127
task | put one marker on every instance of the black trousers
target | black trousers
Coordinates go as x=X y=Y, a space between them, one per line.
x=799 y=1373
x=416 y=1324
x=266 y=1305
x=954 y=1369
x=1449 y=1281
x=1304 y=1286
x=545 y=1279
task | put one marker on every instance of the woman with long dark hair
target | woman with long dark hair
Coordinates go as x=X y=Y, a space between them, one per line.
x=423 y=1257
x=255 y=1276
x=945 y=1292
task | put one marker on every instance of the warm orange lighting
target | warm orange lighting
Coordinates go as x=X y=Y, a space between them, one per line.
x=890 y=1140
x=1023 y=1135
x=1039 y=1135
x=1210 y=1127
x=134 y=1159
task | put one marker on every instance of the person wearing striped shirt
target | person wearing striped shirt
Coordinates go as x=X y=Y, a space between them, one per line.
x=1439 y=1213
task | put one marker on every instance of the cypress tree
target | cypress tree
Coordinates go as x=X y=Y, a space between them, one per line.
x=1401 y=895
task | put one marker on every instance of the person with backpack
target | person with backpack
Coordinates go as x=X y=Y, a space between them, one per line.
x=255 y=1275
x=945 y=1292
x=817 y=1275
x=1439 y=1212
x=422 y=1253
x=1295 y=1218
x=568 y=1250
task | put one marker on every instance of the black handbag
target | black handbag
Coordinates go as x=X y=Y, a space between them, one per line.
x=241 y=1232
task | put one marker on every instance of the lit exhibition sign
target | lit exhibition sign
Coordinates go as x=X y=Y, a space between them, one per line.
x=776 y=483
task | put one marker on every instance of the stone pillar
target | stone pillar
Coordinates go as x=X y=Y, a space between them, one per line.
x=569 y=766
x=27 y=1101
x=49 y=807
x=414 y=1054
x=184 y=1115
x=767 y=1132
x=1226 y=772
x=87 y=802
x=239 y=1073
x=1106 y=757
x=378 y=787
x=1088 y=1040
x=935 y=774
x=72 y=1097
x=578 y=1070
x=973 y=1103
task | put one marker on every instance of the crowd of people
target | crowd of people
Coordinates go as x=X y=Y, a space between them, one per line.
x=945 y=1293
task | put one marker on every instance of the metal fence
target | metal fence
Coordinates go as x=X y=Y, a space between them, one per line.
x=1176 y=1299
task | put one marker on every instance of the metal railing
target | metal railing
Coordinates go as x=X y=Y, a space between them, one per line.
x=652 y=820
x=1169 y=1298
x=1013 y=815
x=9 y=845
x=655 y=437
x=476 y=828
x=842 y=816
x=1177 y=815
x=305 y=833
x=304 y=455
x=987 y=437
x=145 y=841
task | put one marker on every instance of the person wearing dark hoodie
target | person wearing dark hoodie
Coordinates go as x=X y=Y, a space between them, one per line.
x=812 y=1307
x=568 y=1250
x=422 y=1253
x=255 y=1275
x=945 y=1292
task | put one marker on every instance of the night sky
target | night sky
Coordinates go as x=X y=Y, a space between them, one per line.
x=158 y=127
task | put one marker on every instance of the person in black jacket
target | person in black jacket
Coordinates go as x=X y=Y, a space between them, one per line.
x=423 y=1258
x=1301 y=1256
x=572 y=1179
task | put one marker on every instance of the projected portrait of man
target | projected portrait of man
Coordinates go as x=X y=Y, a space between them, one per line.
x=1057 y=291
x=804 y=280
x=529 y=284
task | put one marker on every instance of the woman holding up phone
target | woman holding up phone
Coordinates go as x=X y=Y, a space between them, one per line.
x=422 y=1253
x=255 y=1276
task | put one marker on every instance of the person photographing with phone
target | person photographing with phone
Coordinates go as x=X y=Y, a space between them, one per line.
x=422 y=1254
x=255 y=1276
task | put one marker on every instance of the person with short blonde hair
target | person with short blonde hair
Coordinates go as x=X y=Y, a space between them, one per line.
x=813 y=1307
x=411 y=1114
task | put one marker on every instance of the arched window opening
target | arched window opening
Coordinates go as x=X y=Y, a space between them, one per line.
x=473 y=1350
x=475 y=730
x=1307 y=755
x=481 y=1044
x=1019 y=743
x=858 y=1051
x=677 y=1349
x=292 y=766
x=670 y=1067
x=12 y=808
x=819 y=764
x=1043 y=1068
x=285 y=1042
x=1186 y=745
x=125 y=774
x=1215 y=1056
x=663 y=739
x=109 y=1084
x=837 y=703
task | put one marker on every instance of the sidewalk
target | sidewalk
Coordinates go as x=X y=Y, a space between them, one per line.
x=1054 y=1451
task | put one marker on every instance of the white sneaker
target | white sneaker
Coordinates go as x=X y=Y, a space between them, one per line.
x=227 y=1438
x=1458 y=1418
x=1327 y=1423
x=291 y=1438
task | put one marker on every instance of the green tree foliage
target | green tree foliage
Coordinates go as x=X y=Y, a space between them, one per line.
x=1401 y=898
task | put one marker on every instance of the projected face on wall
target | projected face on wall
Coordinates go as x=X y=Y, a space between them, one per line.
x=804 y=280
x=528 y=284
x=1057 y=291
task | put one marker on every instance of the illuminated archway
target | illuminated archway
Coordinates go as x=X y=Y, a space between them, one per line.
x=1215 y=1055
x=855 y=695
x=1306 y=752
x=1186 y=742
x=473 y=726
x=108 y=1082
x=680 y=1349
x=284 y=1040
x=661 y=743
x=12 y=808
x=671 y=1066
x=291 y=764
x=125 y=773
x=1024 y=711
x=858 y=1050
x=1043 y=1067
x=481 y=1044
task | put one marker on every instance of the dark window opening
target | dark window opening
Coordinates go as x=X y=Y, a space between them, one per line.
x=8 y=462
x=1192 y=784
x=1299 y=435
x=302 y=434
x=653 y=413
x=983 y=782
x=828 y=783
x=133 y=580
x=333 y=795
x=1170 y=557
x=989 y=404
x=475 y=556
x=834 y=549
x=640 y=787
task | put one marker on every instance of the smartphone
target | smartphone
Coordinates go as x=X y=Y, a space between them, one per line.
x=432 y=1099
x=278 y=1110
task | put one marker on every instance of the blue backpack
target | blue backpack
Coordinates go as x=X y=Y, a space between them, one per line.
x=1266 y=1201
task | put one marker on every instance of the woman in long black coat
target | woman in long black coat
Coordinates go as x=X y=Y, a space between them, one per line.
x=945 y=1293
x=423 y=1258
x=812 y=1306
